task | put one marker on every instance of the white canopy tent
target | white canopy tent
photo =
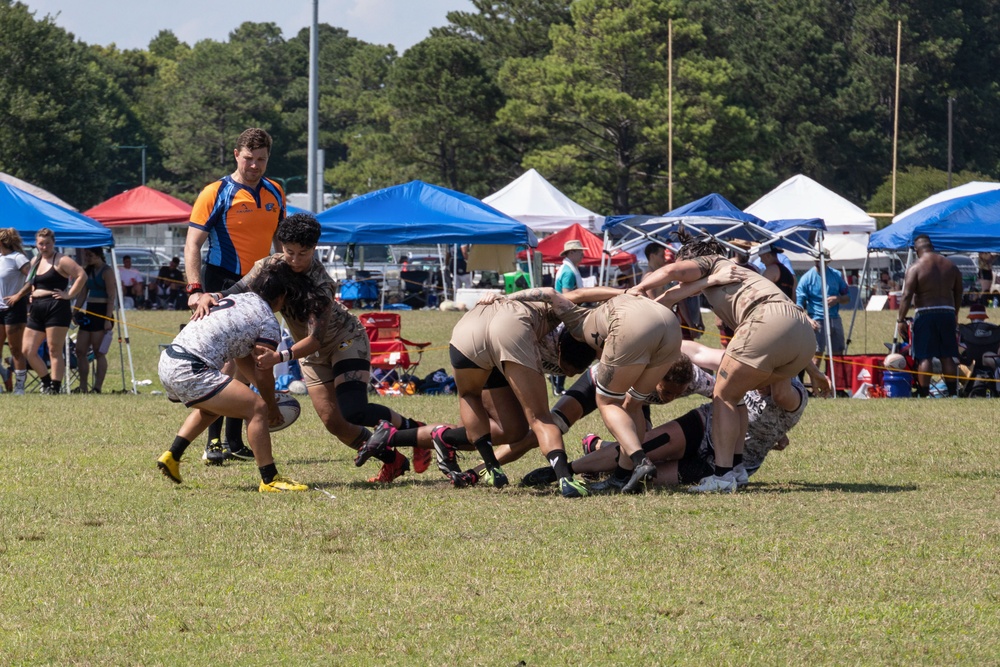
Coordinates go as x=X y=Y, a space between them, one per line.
x=847 y=251
x=534 y=201
x=802 y=197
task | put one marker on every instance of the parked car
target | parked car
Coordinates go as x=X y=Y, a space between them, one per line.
x=146 y=261
x=970 y=274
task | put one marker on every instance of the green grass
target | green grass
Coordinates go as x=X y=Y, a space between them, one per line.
x=872 y=540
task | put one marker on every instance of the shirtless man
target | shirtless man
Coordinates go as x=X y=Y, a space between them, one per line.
x=934 y=286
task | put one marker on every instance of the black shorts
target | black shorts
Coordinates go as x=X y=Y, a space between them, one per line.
x=49 y=312
x=91 y=322
x=496 y=380
x=16 y=314
x=217 y=278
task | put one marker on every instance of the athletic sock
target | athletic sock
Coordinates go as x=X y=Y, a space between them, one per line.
x=952 y=387
x=484 y=446
x=177 y=449
x=737 y=459
x=405 y=437
x=559 y=462
x=721 y=470
x=922 y=391
x=215 y=430
x=268 y=472
x=234 y=432
x=637 y=458
x=622 y=474
x=46 y=381
x=457 y=438
x=56 y=386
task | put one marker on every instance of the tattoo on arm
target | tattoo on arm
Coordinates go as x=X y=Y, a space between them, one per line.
x=605 y=375
x=532 y=294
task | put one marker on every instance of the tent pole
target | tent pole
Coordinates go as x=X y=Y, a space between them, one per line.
x=123 y=322
x=826 y=316
x=861 y=291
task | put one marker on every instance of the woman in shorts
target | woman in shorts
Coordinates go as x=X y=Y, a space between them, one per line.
x=96 y=319
x=13 y=305
x=55 y=280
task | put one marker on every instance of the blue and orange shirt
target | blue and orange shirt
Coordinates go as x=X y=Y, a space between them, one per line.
x=240 y=221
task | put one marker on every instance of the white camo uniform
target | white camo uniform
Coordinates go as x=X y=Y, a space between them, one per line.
x=767 y=424
x=703 y=384
x=191 y=367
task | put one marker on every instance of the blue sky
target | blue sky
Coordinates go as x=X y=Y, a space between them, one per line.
x=131 y=25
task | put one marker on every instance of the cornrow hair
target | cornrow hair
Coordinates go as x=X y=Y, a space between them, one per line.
x=702 y=246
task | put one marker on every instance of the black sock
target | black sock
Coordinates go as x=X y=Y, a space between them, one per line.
x=637 y=458
x=457 y=438
x=215 y=430
x=234 y=432
x=952 y=386
x=177 y=449
x=46 y=381
x=405 y=437
x=737 y=459
x=268 y=472
x=484 y=446
x=922 y=391
x=56 y=386
x=559 y=462
x=721 y=470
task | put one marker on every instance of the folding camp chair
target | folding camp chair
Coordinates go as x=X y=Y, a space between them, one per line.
x=390 y=351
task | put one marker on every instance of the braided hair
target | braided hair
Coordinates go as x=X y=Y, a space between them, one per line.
x=700 y=246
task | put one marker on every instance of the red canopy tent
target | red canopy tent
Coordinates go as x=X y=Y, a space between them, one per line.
x=593 y=247
x=140 y=206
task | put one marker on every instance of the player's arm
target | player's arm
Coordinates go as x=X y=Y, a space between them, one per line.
x=263 y=379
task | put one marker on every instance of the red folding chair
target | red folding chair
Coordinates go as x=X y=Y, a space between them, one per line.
x=390 y=351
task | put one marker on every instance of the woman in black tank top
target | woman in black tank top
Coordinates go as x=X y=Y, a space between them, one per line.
x=55 y=281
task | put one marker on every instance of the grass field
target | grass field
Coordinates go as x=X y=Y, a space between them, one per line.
x=873 y=539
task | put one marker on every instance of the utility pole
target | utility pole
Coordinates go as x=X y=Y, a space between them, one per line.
x=143 y=147
x=314 y=168
x=951 y=103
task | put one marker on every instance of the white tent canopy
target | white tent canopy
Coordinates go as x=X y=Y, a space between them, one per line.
x=971 y=188
x=534 y=201
x=802 y=197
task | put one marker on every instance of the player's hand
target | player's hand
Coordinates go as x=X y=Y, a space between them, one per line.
x=822 y=386
x=489 y=297
x=266 y=358
x=201 y=304
x=274 y=416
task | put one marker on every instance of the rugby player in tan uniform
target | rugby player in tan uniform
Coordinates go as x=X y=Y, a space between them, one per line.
x=772 y=343
x=639 y=340
x=496 y=352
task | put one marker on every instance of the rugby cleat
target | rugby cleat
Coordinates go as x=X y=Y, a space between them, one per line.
x=170 y=467
x=391 y=471
x=279 y=484
x=377 y=444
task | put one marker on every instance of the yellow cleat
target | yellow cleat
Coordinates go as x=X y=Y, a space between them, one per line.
x=170 y=467
x=279 y=484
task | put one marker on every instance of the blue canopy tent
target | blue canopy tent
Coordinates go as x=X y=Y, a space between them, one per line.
x=27 y=214
x=417 y=212
x=420 y=213
x=964 y=224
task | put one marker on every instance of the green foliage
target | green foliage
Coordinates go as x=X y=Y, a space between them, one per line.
x=913 y=185
x=59 y=112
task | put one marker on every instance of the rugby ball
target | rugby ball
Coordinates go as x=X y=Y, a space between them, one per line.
x=895 y=361
x=297 y=387
x=289 y=408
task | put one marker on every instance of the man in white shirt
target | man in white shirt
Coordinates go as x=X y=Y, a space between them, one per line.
x=133 y=282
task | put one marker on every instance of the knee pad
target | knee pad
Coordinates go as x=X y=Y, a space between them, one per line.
x=352 y=401
x=560 y=421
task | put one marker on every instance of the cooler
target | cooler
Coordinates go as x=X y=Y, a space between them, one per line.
x=897 y=384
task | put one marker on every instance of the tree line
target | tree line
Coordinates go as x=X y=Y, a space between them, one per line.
x=761 y=90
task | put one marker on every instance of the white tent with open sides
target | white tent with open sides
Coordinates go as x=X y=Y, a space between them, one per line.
x=802 y=197
x=534 y=201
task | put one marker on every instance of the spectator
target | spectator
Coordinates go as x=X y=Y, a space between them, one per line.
x=567 y=279
x=96 y=319
x=984 y=261
x=775 y=271
x=14 y=267
x=51 y=311
x=169 y=285
x=133 y=282
x=933 y=285
x=810 y=296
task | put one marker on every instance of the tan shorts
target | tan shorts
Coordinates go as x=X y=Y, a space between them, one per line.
x=640 y=331
x=776 y=338
x=351 y=355
x=491 y=334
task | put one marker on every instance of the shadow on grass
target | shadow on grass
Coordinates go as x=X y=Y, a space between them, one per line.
x=840 y=487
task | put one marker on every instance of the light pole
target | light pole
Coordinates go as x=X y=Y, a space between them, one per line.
x=143 y=147
x=951 y=103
